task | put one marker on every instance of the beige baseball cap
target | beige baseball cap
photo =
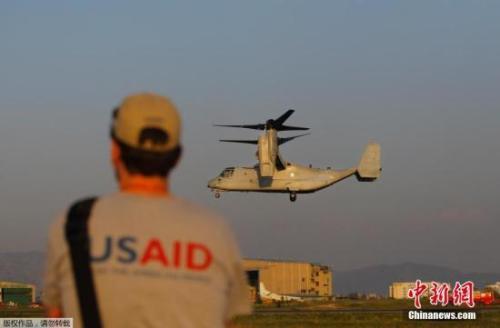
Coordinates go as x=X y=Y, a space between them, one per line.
x=147 y=121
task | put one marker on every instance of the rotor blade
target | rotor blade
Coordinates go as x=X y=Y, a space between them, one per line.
x=291 y=128
x=280 y=120
x=245 y=126
x=252 y=142
x=283 y=140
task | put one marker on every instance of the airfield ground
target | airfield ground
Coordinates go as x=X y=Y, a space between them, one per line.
x=356 y=313
x=339 y=313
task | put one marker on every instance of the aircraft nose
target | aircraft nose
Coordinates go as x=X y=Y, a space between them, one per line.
x=212 y=183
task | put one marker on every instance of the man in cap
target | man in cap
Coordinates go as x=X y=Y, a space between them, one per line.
x=141 y=257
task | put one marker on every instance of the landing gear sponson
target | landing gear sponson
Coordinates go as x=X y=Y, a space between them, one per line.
x=293 y=195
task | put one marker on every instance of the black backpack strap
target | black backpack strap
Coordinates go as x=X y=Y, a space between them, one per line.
x=77 y=236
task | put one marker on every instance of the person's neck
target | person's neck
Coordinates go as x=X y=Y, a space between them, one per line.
x=138 y=184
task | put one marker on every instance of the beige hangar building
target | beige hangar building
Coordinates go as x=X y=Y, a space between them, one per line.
x=288 y=278
x=399 y=290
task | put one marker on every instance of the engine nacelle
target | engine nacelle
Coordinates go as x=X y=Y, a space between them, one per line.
x=266 y=161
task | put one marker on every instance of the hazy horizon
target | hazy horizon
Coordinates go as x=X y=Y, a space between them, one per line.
x=420 y=77
x=41 y=253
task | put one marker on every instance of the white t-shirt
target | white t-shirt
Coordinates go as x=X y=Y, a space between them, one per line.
x=157 y=262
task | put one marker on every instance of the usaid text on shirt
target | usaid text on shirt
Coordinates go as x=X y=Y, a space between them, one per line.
x=189 y=255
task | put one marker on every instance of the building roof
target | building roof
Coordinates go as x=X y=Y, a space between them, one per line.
x=12 y=284
x=284 y=261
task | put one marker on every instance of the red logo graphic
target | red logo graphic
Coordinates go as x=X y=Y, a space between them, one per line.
x=439 y=293
x=464 y=293
x=417 y=292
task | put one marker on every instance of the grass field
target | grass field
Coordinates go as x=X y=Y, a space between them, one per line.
x=331 y=319
x=21 y=312
x=355 y=313
x=340 y=313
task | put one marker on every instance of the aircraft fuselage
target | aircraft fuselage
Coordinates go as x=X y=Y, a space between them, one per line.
x=293 y=178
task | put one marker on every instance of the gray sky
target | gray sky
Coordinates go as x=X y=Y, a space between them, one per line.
x=420 y=77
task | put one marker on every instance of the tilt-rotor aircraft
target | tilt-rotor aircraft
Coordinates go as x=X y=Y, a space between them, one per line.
x=274 y=174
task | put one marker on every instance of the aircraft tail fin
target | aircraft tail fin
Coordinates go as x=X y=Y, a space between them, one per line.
x=369 y=167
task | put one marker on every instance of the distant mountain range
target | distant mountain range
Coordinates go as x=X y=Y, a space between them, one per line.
x=376 y=279
x=27 y=267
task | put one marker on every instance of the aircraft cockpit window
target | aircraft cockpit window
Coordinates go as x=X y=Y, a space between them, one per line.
x=227 y=173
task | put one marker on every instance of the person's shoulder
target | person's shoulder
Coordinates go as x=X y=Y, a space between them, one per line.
x=206 y=219
x=172 y=206
x=196 y=210
x=61 y=217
